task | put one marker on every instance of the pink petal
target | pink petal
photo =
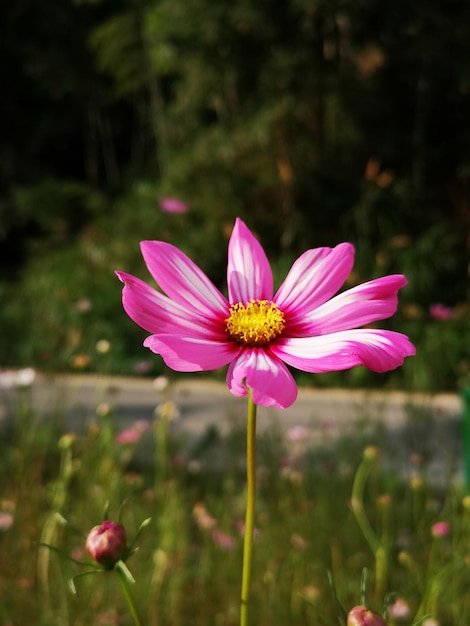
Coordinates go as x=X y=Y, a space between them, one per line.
x=366 y=303
x=182 y=280
x=249 y=274
x=379 y=350
x=314 y=278
x=156 y=313
x=189 y=354
x=267 y=376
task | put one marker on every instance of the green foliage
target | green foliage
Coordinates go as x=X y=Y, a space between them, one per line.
x=185 y=571
x=314 y=121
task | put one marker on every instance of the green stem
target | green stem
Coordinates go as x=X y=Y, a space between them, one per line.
x=123 y=576
x=357 y=503
x=250 y=509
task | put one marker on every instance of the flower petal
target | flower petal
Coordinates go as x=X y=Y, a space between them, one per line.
x=156 y=313
x=314 y=278
x=366 y=303
x=182 y=280
x=249 y=274
x=189 y=354
x=379 y=350
x=270 y=380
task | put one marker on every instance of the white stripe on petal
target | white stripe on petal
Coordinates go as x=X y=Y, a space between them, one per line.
x=156 y=313
x=361 y=305
x=314 y=278
x=189 y=354
x=269 y=379
x=249 y=274
x=378 y=350
x=182 y=280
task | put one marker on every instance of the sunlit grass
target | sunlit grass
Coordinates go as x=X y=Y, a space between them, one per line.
x=188 y=565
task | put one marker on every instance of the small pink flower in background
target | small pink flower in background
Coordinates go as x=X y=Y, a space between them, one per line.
x=257 y=332
x=141 y=425
x=221 y=539
x=127 y=436
x=440 y=312
x=106 y=543
x=173 y=205
x=400 y=609
x=133 y=433
x=83 y=306
x=204 y=519
x=77 y=554
x=440 y=529
x=6 y=521
x=360 y=616
x=142 y=367
x=298 y=433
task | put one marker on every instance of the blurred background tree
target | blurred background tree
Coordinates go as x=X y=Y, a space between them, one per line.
x=316 y=121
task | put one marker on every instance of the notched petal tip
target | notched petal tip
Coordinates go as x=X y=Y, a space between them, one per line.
x=269 y=379
x=121 y=276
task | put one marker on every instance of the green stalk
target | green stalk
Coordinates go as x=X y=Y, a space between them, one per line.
x=125 y=578
x=357 y=504
x=357 y=501
x=250 y=508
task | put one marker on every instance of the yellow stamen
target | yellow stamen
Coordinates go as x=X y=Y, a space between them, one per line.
x=256 y=323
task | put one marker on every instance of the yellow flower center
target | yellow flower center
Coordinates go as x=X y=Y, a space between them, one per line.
x=256 y=323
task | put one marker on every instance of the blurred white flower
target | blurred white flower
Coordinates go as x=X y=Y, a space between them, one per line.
x=83 y=306
x=103 y=346
x=400 y=609
x=167 y=411
x=17 y=378
x=161 y=383
x=298 y=433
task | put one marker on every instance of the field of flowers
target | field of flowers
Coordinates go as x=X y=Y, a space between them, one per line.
x=336 y=526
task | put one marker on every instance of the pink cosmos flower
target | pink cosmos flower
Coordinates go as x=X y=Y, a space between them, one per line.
x=440 y=312
x=221 y=539
x=258 y=332
x=132 y=434
x=440 y=529
x=173 y=205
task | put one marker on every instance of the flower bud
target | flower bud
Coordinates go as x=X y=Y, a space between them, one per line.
x=106 y=543
x=371 y=453
x=360 y=616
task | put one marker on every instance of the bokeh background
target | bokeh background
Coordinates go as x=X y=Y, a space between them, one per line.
x=316 y=121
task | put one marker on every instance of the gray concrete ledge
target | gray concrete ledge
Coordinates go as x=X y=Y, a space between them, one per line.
x=204 y=402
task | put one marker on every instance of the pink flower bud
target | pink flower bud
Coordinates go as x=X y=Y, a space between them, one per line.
x=106 y=543
x=360 y=616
